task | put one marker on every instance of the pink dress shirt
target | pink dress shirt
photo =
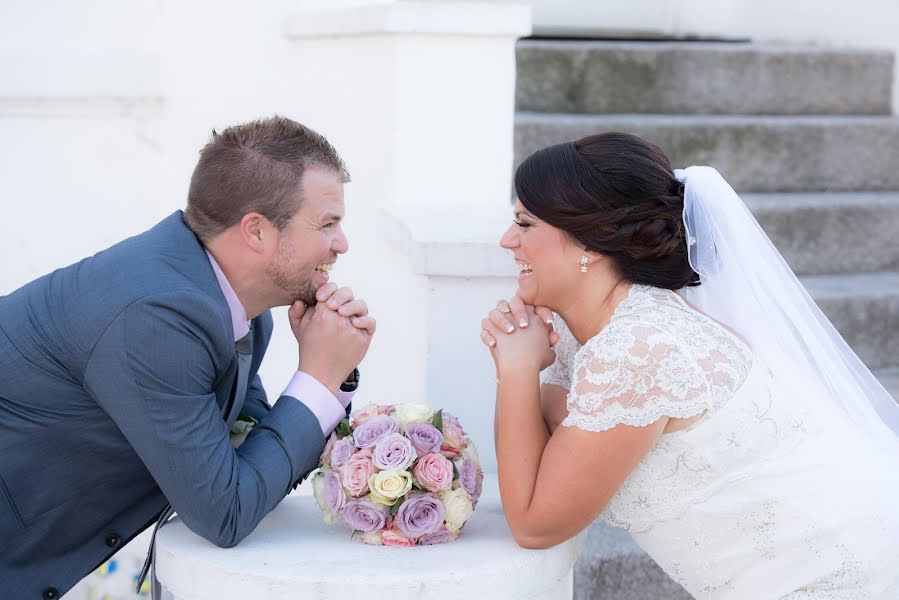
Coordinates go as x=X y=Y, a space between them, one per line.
x=328 y=409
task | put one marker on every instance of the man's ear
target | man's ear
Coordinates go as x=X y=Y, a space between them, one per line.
x=256 y=232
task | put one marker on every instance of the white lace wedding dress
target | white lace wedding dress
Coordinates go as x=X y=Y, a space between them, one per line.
x=754 y=500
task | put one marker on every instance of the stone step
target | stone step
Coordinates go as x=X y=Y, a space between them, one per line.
x=754 y=153
x=700 y=78
x=889 y=378
x=612 y=566
x=864 y=308
x=828 y=233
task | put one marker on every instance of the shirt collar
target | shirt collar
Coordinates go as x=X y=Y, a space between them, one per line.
x=239 y=319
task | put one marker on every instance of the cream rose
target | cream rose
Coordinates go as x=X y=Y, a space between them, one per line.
x=414 y=412
x=457 y=504
x=471 y=453
x=389 y=485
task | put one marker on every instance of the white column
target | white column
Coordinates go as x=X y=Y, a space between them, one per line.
x=419 y=99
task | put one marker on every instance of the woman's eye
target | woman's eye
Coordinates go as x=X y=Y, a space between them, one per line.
x=522 y=224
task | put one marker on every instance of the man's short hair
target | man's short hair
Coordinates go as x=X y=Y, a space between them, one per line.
x=255 y=167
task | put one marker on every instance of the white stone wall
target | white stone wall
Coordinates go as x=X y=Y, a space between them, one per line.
x=103 y=109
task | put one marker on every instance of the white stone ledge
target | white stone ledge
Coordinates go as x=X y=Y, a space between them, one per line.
x=412 y=18
x=451 y=245
x=30 y=75
x=82 y=107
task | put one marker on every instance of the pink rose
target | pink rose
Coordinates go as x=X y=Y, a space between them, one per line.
x=360 y=416
x=392 y=537
x=433 y=472
x=355 y=472
x=453 y=437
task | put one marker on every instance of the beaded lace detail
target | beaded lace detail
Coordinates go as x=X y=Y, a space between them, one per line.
x=657 y=357
x=755 y=499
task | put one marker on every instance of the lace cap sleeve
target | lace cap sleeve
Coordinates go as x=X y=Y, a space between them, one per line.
x=559 y=373
x=634 y=373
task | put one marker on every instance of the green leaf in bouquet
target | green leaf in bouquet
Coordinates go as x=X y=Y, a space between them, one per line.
x=437 y=420
x=242 y=425
x=417 y=486
x=456 y=474
x=396 y=507
x=343 y=429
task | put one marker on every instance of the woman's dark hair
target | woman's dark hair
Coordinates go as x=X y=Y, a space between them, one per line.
x=616 y=195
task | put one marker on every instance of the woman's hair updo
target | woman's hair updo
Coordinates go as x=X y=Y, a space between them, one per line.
x=616 y=195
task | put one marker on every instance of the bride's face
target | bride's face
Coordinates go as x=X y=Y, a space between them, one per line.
x=546 y=259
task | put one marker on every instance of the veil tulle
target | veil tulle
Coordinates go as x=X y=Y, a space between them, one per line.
x=747 y=285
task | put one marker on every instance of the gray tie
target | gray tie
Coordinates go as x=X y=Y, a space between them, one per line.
x=230 y=409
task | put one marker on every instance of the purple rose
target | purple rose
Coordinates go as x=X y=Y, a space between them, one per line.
x=425 y=437
x=333 y=493
x=364 y=515
x=374 y=430
x=326 y=453
x=441 y=536
x=343 y=449
x=394 y=452
x=468 y=476
x=419 y=515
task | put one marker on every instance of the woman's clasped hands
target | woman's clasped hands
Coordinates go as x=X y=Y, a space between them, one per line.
x=520 y=337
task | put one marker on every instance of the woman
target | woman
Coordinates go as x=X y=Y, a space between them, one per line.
x=693 y=394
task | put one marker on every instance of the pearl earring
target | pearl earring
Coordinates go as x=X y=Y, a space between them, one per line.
x=584 y=260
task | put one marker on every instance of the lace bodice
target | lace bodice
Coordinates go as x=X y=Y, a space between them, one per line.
x=657 y=357
x=724 y=503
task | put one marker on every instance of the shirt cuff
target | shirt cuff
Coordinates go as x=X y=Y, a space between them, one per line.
x=308 y=390
x=345 y=398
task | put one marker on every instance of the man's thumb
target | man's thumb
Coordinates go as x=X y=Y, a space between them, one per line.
x=296 y=311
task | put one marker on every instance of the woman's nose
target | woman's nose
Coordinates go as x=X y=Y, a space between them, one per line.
x=509 y=239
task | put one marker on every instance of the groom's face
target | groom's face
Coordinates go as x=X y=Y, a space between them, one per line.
x=309 y=244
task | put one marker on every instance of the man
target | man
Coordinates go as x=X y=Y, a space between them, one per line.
x=121 y=375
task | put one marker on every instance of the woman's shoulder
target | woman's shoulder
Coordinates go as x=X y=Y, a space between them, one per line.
x=660 y=327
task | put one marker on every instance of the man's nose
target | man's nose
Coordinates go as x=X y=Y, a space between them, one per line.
x=340 y=245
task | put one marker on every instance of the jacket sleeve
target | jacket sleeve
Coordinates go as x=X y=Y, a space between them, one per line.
x=255 y=403
x=154 y=373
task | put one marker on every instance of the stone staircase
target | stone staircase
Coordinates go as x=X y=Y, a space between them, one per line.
x=806 y=135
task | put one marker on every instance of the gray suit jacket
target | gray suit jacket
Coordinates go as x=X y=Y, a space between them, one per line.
x=113 y=374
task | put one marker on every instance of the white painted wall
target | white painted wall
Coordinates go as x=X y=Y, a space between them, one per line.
x=103 y=110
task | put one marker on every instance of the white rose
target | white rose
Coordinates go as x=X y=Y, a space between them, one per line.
x=389 y=485
x=414 y=412
x=458 y=508
x=372 y=537
x=471 y=453
x=318 y=491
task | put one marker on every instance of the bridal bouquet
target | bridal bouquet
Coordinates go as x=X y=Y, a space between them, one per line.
x=399 y=475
